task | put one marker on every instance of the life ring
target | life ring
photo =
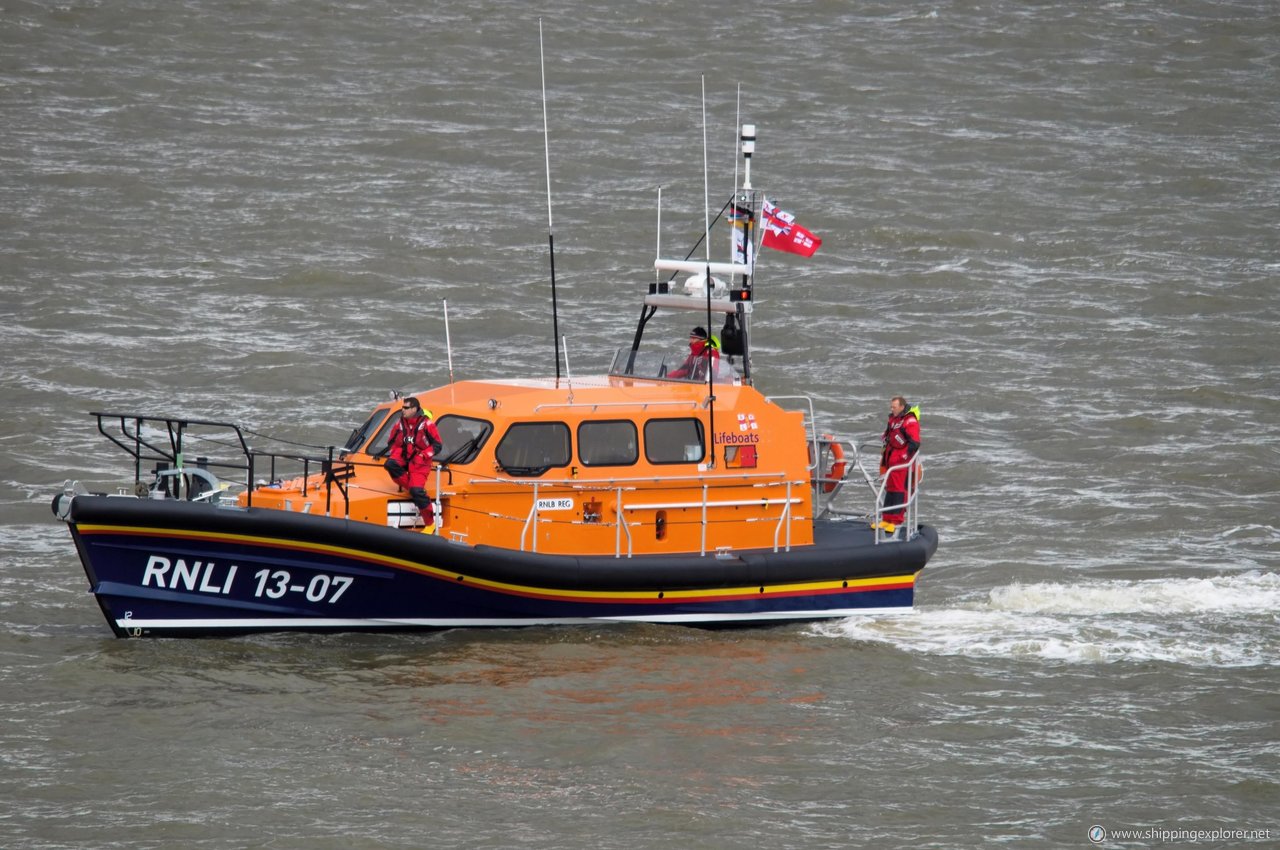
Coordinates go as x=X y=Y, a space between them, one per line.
x=837 y=465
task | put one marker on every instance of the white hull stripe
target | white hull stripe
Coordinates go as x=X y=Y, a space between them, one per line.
x=460 y=622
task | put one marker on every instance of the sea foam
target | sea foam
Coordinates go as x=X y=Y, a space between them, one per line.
x=1220 y=621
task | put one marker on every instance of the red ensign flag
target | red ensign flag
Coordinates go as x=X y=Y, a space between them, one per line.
x=783 y=234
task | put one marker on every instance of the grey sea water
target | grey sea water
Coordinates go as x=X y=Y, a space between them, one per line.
x=1053 y=225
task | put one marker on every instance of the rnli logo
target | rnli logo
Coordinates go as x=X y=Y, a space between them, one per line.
x=198 y=576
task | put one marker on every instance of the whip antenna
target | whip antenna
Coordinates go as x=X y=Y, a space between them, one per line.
x=448 y=346
x=706 y=235
x=737 y=122
x=706 y=191
x=551 y=238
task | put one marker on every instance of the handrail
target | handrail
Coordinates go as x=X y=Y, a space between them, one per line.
x=531 y=520
x=605 y=483
x=595 y=405
x=828 y=489
x=702 y=545
x=784 y=521
x=824 y=501
x=529 y=535
x=619 y=527
x=723 y=503
x=914 y=468
x=139 y=447
x=336 y=472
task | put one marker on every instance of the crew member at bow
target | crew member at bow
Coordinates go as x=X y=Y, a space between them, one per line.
x=413 y=443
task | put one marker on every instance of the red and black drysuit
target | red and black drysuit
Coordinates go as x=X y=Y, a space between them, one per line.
x=413 y=443
x=901 y=442
x=694 y=365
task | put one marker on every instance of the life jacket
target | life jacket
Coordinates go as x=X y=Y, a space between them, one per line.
x=409 y=434
x=896 y=437
x=702 y=353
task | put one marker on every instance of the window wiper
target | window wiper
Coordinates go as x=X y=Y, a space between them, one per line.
x=462 y=451
x=525 y=471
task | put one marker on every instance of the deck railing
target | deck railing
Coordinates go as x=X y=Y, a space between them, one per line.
x=630 y=497
x=828 y=490
x=224 y=455
x=164 y=441
x=827 y=452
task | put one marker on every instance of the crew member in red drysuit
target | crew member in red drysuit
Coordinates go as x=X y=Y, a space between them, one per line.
x=694 y=365
x=414 y=441
x=901 y=442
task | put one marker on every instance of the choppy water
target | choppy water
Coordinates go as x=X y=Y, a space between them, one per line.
x=1053 y=225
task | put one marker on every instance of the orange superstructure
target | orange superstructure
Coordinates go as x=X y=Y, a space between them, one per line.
x=612 y=465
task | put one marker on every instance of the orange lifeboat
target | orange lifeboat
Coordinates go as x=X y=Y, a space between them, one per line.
x=627 y=495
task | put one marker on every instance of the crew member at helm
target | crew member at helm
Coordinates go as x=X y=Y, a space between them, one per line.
x=414 y=441
x=702 y=348
x=901 y=442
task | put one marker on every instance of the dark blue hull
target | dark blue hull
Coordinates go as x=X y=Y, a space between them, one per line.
x=167 y=567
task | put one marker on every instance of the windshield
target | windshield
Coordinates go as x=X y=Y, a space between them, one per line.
x=462 y=436
x=361 y=435
x=379 y=446
x=668 y=366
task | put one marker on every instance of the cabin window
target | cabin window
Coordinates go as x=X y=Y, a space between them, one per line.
x=531 y=448
x=673 y=441
x=456 y=432
x=612 y=443
x=361 y=435
x=379 y=447
x=463 y=437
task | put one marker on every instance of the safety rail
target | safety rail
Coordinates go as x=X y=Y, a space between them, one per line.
x=913 y=471
x=825 y=499
x=174 y=473
x=594 y=406
x=176 y=476
x=837 y=460
x=828 y=453
x=623 y=488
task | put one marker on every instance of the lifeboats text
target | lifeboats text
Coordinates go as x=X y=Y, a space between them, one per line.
x=730 y=438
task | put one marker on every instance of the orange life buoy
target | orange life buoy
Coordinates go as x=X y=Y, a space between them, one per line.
x=837 y=465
